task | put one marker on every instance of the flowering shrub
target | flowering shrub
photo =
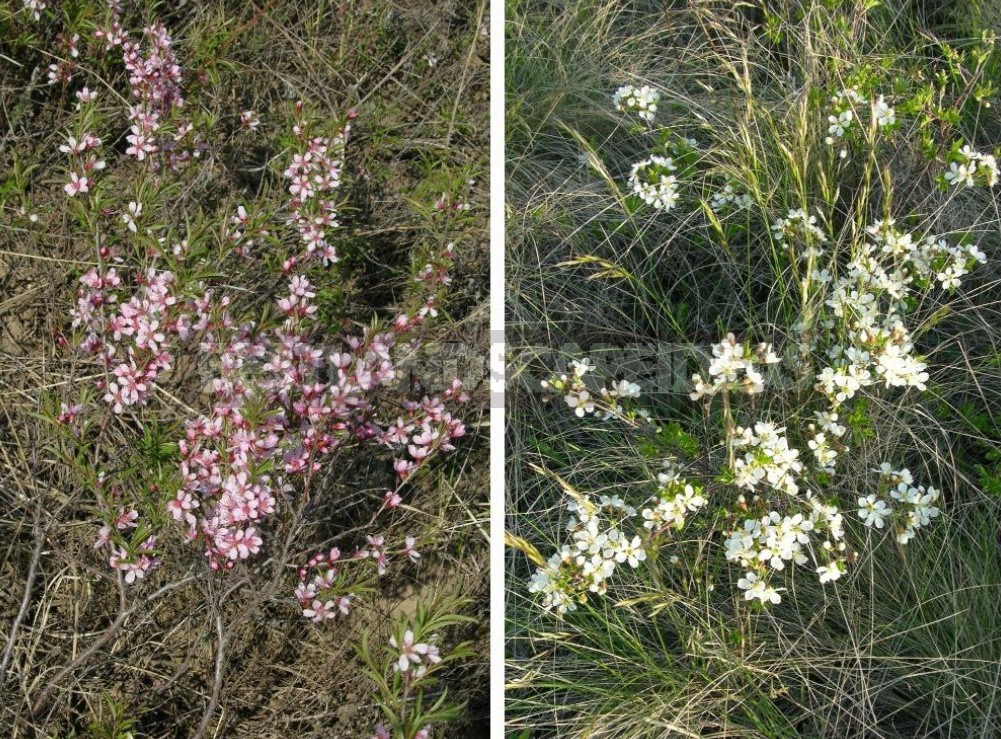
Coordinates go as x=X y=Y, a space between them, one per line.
x=232 y=384
x=763 y=484
x=771 y=493
x=272 y=423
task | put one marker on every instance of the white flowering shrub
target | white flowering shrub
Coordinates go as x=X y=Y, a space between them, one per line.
x=776 y=429
x=856 y=335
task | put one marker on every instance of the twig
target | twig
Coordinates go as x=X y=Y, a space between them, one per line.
x=86 y=654
x=220 y=663
x=36 y=557
x=462 y=80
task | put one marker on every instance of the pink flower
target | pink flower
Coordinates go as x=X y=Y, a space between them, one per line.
x=72 y=146
x=408 y=550
x=76 y=184
x=69 y=413
x=126 y=518
x=115 y=398
x=320 y=611
x=129 y=218
x=403 y=467
x=410 y=652
x=103 y=537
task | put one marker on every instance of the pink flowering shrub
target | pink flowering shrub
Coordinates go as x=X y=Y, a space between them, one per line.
x=244 y=442
x=162 y=311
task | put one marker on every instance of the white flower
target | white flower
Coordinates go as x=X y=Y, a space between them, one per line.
x=829 y=572
x=769 y=460
x=129 y=218
x=581 y=402
x=625 y=389
x=872 y=511
x=729 y=195
x=734 y=367
x=798 y=224
x=642 y=100
x=882 y=113
x=961 y=174
x=631 y=552
x=755 y=587
x=651 y=182
x=972 y=165
x=839 y=124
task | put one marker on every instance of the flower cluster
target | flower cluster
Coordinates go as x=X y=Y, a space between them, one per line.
x=729 y=196
x=130 y=545
x=314 y=174
x=431 y=279
x=406 y=670
x=235 y=463
x=322 y=591
x=768 y=459
x=609 y=400
x=764 y=545
x=675 y=500
x=62 y=70
x=597 y=546
x=868 y=304
x=641 y=100
x=155 y=82
x=572 y=387
x=326 y=588
x=845 y=106
x=913 y=505
x=653 y=182
x=735 y=366
x=35 y=7
x=800 y=226
x=971 y=168
x=825 y=440
x=790 y=523
x=85 y=162
x=133 y=338
x=882 y=113
x=425 y=427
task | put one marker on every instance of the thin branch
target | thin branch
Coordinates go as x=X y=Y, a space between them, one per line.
x=36 y=557
x=220 y=664
x=109 y=633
